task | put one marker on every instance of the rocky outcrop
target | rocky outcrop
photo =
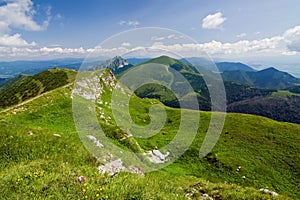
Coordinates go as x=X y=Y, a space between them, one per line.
x=155 y=156
x=267 y=191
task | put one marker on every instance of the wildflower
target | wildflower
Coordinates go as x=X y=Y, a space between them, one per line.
x=81 y=179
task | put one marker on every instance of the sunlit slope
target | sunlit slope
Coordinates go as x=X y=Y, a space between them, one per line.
x=42 y=155
x=24 y=88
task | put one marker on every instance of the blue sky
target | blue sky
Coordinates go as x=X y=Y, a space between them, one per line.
x=86 y=23
x=240 y=30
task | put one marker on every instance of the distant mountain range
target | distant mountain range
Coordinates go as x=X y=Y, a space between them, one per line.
x=16 y=68
x=247 y=90
x=232 y=66
x=270 y=78
x=3 y=80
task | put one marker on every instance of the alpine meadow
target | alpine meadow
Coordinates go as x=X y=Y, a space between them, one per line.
x=149 y=100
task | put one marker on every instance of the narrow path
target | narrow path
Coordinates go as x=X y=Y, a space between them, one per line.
x=171 y=74
x=29 y=100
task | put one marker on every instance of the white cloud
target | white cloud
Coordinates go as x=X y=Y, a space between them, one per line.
x=157 y=38
x=55 y=45
x=129 y=23
x=126 y=44
x=122 y=22
x=175 y=37
x=285 y=44
x=213 y=21
x=133 y=23
x=14 y=40
x=18 y=14
x=58 y=16
x=292 y=38
x=267 y=46
x=241 y=35
x=168 y=37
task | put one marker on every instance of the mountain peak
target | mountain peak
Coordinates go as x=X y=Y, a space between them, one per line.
x=166 y=60
x=270 y=69
x=173 y=63
x=116 y=64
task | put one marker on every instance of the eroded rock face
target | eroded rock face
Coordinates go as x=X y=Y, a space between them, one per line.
x=116 y=166
x=155 y=156
x=111 y=168
x=89 y=87
x=267 y=191
x=115 y=63
x=92 y=86
x=95 y=141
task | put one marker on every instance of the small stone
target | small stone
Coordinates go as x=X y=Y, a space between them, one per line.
x=267 y=191
x=29 y=133
x=56 y=135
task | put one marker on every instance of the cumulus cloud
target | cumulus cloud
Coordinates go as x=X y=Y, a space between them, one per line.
x=286 y=44
x=213 y=21
x=168 y=37
x=129 y=23
x=157 y=38
x=19 y=14
x=292 y=38
x=14 y=40
x=126 y=44
x=175 y=37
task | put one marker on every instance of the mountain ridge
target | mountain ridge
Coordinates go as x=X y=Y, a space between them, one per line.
x=25 y=87
x=233 y=66
x=269 y=78
x=236 y=91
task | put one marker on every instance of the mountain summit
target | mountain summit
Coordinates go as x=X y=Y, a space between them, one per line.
x=117 y=64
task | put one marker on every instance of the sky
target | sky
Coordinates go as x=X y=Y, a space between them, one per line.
x=258 y=32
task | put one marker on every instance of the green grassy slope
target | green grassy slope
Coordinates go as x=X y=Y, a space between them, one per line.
x=295 y=89
x=13 y=81
x=36 y=164
x=25 y=88
x=234 y=91
x=3 y=80
x=245 y=95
